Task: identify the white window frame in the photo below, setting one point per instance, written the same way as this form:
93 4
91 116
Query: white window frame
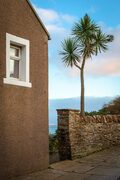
24 70
16 47
16 58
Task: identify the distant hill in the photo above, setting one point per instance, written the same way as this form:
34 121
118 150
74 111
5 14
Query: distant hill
91 104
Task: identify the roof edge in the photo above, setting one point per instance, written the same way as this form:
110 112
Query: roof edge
40 21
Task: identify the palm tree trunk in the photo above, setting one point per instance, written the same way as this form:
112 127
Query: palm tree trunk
82 92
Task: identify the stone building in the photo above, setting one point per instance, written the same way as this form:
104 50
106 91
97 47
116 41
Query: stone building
23 89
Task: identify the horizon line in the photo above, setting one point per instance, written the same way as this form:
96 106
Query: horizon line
85 96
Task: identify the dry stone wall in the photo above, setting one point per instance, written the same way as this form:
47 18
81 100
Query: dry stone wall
80 136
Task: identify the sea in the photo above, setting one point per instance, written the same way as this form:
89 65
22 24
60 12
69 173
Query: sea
52 129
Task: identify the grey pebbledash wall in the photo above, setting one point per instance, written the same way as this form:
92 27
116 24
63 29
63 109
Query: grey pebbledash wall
80 136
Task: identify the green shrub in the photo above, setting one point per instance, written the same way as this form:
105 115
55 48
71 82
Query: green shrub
53 143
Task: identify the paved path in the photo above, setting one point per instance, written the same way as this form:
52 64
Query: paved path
104 165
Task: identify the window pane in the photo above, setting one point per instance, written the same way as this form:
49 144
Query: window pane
14 68
14 52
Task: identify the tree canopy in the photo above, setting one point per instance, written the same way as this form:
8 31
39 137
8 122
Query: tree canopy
112 108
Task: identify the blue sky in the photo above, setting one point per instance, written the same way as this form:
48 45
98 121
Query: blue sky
102 73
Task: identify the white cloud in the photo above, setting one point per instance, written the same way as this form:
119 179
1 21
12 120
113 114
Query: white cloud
52 28
47 15
107 66
55 22
68 18
107 63
58 25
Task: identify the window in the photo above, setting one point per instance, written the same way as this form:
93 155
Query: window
17 61
15 57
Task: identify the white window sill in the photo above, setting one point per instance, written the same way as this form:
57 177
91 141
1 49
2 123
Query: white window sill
17 82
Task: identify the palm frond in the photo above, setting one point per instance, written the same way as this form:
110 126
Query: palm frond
84 29
69 53
101 41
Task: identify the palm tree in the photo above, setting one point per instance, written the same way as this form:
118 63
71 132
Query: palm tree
87 40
